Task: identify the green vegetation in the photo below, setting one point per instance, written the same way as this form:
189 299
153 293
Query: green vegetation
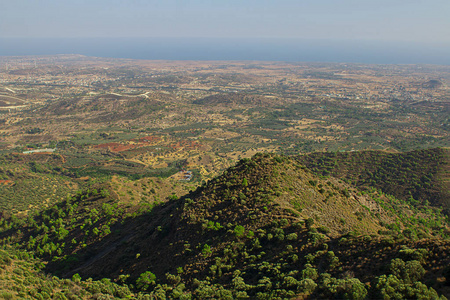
22 277
164 183
272 238
417 177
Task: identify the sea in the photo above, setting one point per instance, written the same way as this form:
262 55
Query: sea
235 49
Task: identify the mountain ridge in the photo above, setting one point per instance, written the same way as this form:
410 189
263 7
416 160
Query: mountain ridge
265 216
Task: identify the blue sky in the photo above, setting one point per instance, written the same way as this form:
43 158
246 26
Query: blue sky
426 21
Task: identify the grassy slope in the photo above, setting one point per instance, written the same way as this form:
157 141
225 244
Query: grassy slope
415 176
32 182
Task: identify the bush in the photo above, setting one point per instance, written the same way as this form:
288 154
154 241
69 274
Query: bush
309 222
413 254
292 237
145 280
244 182
307 286
350 288
76 277
309 273
239 231
409 272
390 287
313 182
206 251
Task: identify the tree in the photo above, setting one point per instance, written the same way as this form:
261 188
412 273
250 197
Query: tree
239 231
409 272
206 251
145 280
245 182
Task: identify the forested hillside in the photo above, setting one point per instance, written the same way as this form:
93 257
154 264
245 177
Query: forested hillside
419 177
267 228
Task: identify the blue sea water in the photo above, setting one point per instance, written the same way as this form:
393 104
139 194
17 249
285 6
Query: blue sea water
292 50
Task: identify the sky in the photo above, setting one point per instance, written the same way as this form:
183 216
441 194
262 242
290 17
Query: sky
377 31
423 21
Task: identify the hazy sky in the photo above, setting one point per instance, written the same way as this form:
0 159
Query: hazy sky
388 20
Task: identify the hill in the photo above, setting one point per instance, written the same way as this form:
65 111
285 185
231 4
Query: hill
105 107
266 228
432 84
419 177
234 99
32 182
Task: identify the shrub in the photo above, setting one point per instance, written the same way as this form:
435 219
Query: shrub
351 289
239 231
76 277
390 287
409 272
292 237
310 272
309 222
206 251
145 280
413 254
307 286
